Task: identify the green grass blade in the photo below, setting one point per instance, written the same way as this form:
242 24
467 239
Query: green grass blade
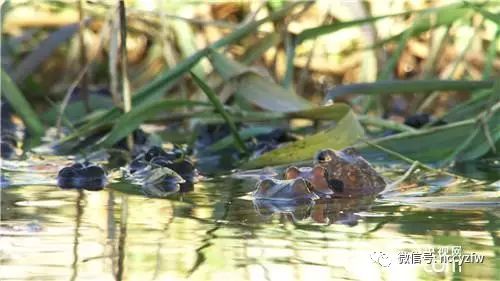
220 108
257 89
333 112
290 56
491 53
494 17
470 108
256 51
434 144
17 100
314 32
43 51
389 66
133 119
408 86
434 18
153 89
167 79
384 123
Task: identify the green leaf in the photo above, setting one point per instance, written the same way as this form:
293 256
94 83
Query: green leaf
17 100
437 143
185 39
133 119
220 108
227 68
257 89
408 86
269 95
469 108
384 123
345 133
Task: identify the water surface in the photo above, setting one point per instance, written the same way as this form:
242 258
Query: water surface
216 232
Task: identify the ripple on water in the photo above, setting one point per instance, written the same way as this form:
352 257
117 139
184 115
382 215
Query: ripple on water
216 232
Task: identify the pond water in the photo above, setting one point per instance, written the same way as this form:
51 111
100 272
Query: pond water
216 232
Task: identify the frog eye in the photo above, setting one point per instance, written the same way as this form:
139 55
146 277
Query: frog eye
324 155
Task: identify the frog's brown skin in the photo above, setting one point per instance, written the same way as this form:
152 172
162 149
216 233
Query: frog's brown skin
348 173
336 173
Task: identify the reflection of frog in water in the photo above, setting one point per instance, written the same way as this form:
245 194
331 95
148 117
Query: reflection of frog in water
324 211
336 174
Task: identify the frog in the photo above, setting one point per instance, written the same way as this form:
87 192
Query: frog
86 175
343 173
348 173
161 172
292 189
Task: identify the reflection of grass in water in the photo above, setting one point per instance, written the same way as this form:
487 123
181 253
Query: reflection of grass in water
78 220
209 235
471 229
